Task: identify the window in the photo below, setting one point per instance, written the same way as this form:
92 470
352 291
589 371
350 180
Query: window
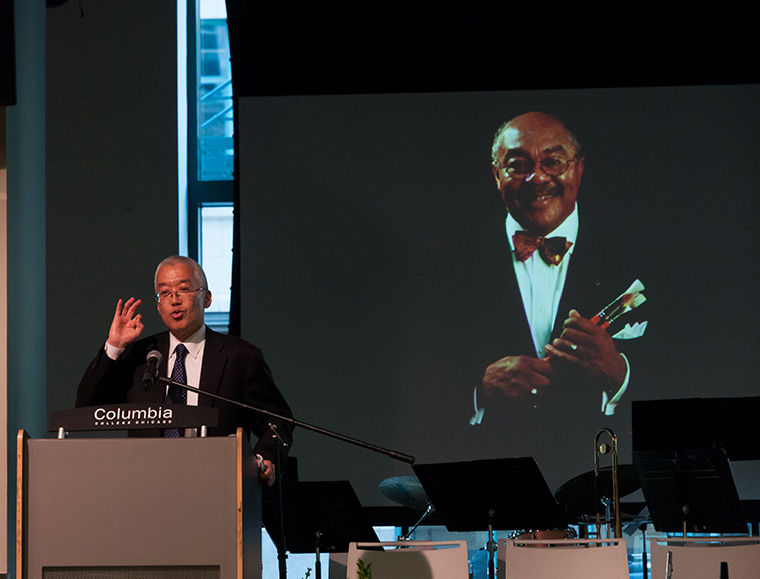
214 127
206 214
215 241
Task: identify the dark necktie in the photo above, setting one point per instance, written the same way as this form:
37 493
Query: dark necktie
551 249
177 395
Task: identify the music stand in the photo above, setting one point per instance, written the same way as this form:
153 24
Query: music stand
329 507
490 494
319 516
505 493
690 490
701 423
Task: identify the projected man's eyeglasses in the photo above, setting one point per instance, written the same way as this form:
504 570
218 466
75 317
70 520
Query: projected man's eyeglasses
523 167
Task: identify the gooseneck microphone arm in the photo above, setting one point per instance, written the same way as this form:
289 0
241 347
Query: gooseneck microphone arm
342 437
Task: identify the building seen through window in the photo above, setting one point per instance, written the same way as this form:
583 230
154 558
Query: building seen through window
210 152
215 126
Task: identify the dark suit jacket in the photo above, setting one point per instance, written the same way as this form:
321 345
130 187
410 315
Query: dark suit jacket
597 274
557 426
231 368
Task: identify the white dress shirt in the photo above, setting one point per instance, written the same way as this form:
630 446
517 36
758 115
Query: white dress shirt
541 284
541 287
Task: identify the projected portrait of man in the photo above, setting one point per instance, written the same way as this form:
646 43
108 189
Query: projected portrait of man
554 348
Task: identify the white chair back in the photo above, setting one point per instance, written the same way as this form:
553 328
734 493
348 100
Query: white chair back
337 566
562 559
407 559
698 557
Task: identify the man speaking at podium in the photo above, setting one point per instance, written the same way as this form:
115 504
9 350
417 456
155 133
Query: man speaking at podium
193 354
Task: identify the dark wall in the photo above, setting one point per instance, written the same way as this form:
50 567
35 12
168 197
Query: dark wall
111 210
321 47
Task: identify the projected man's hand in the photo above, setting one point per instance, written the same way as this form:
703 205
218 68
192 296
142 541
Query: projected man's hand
516 376
589 348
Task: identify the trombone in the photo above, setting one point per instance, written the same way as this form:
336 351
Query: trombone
604 448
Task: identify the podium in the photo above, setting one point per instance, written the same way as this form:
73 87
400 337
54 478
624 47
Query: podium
186 508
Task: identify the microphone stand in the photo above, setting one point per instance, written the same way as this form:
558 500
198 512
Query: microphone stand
294 422
391 453
282 555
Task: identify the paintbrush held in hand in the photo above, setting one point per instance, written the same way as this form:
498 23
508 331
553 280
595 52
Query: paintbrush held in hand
628 300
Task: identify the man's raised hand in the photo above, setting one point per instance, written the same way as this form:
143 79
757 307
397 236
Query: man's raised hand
127 324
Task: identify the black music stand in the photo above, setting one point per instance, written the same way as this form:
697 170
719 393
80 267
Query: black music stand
728 423
319 516
505 493
690 490
485 495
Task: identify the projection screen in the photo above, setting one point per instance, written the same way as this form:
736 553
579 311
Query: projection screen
375 265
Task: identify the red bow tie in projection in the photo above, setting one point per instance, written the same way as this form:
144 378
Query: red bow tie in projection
551 249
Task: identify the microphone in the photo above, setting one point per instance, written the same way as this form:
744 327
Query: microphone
151 370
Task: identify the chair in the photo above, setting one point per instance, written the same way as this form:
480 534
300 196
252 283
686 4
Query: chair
337 566
405 559
562 559
697 557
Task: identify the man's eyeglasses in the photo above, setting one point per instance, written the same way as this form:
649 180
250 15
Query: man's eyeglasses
180 292
522 167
